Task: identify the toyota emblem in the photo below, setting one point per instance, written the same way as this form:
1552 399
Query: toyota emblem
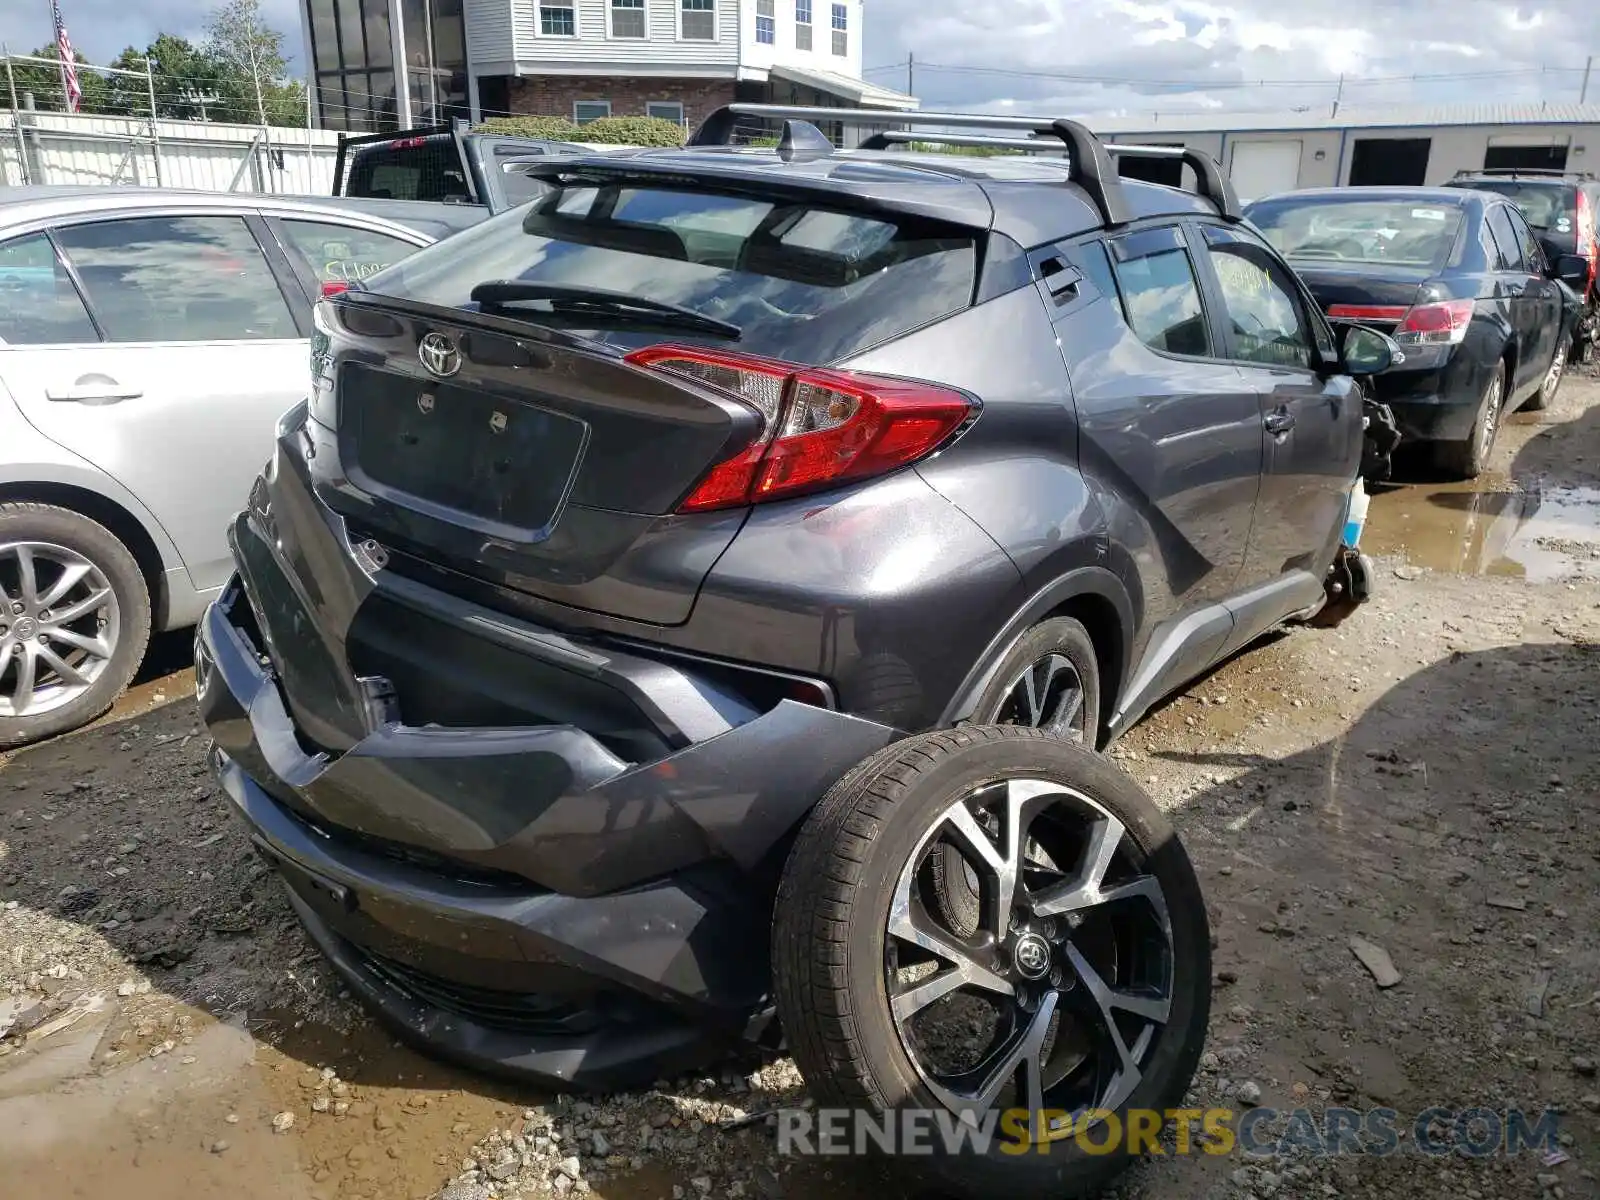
1031 955
439 355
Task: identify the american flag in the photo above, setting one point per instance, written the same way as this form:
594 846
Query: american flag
69 61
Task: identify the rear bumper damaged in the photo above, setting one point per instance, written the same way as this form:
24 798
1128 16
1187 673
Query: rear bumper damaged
531 898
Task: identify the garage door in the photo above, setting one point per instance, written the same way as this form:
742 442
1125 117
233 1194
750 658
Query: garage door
1261 168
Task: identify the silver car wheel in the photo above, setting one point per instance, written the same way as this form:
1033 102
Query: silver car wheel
1492 402
1070 969
59 625
1558 364
1047 696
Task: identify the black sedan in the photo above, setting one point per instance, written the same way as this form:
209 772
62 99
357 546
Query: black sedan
1460 282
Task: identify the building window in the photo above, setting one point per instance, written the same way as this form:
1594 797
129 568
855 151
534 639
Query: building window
584 111
802 24
557 18
627 18
665 110
841 30
767 22
699 20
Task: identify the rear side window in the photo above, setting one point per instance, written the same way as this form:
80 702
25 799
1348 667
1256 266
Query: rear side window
1160 293
330 253
177 279
1506 239
38 304
1532 255
804 282
408 169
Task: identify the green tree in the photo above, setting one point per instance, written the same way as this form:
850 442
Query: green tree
188 80
252 53
45 84
239 74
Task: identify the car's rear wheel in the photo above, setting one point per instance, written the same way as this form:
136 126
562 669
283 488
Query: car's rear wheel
1468 458
74 620
1546 394
1049 681
1083 991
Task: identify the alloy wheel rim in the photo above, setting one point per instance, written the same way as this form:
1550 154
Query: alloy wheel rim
1075 964
58 627
1491 416
1046 695
1557 365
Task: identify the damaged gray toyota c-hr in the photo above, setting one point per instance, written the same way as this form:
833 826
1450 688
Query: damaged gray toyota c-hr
696 597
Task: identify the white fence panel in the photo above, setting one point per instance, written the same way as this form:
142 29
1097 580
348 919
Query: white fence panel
58 148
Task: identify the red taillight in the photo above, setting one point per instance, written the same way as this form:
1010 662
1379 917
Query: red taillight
334 287
820 428
1367 312
1588 245
1443 322
410 143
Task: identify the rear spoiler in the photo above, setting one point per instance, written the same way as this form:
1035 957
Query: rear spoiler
455 130
1089 160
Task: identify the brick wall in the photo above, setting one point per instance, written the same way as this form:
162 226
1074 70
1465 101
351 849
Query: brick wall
553 95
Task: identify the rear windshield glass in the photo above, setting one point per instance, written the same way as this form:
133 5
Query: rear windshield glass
1409 233
802 281
419 169
1545 206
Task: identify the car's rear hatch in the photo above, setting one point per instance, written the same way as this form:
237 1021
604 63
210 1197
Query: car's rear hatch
515 442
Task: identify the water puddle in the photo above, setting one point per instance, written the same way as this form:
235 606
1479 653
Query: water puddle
1488 527
269 1107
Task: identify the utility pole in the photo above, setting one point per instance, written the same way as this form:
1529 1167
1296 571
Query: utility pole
1337 96
911 73
155 134
1588 65
16 116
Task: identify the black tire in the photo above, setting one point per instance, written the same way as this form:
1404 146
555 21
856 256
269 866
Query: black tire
1545 396
1062 636
28 522
831 944
1059 635
1467 459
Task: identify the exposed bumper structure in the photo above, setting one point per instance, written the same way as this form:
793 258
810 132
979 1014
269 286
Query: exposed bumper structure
1438 404
538 898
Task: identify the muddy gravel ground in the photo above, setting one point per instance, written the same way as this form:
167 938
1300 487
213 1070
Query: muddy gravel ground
1426 778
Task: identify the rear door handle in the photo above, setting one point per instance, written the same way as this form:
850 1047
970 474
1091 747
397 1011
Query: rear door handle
1279 422
1060 275
94 390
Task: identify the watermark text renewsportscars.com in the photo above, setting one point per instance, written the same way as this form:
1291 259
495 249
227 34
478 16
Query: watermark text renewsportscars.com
1256 1132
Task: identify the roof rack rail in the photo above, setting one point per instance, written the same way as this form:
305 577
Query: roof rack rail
907 137
1089 159
1556 172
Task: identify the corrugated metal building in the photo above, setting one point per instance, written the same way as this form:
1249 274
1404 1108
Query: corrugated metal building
1424 144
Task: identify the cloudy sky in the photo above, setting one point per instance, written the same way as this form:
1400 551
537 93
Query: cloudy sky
1107 56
